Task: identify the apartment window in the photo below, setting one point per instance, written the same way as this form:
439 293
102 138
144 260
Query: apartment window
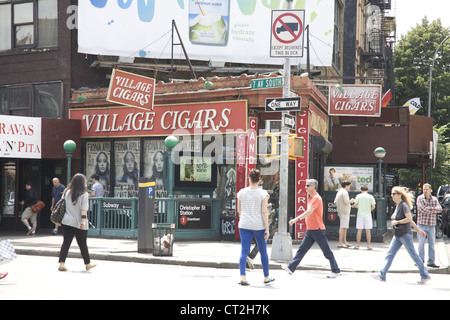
32 100
25 24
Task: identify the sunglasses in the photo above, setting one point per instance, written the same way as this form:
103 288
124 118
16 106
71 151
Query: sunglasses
393 193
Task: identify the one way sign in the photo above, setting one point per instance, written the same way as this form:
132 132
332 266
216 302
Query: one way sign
283 104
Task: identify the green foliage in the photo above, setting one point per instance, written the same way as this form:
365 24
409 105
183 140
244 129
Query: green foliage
412 59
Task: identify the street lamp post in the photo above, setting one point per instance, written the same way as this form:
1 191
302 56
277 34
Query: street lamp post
69 147
431 74
379 153
381 201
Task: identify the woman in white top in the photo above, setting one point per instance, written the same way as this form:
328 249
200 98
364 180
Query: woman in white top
75 223
253 222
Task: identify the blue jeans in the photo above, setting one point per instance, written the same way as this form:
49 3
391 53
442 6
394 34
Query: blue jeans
396 243
310 238
431 237
246 242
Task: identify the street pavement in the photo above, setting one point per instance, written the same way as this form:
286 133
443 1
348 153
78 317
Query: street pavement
221 254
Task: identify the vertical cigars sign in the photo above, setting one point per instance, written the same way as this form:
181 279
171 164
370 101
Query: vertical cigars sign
20 137
301 174
355 100
131 90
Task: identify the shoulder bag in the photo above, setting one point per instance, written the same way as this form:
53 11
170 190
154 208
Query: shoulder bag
58 211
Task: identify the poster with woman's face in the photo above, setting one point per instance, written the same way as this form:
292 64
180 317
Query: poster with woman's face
127 159
98 161
154 164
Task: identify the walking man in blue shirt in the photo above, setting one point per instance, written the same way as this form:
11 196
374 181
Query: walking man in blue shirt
57 192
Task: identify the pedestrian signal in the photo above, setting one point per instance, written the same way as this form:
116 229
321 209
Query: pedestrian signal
269 146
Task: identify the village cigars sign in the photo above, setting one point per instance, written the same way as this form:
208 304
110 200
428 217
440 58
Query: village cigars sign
131 90
189 118
356 100
20 137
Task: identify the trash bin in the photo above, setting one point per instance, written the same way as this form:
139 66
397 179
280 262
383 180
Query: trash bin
163 234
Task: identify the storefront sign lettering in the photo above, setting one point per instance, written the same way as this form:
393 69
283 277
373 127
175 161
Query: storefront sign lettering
131 89
20 137
163 120
356 100
301 174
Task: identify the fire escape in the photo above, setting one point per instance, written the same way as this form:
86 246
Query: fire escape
379 40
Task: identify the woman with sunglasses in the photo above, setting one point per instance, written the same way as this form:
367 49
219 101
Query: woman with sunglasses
401 222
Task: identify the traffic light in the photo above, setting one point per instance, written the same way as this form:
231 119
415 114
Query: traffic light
269 146
296 147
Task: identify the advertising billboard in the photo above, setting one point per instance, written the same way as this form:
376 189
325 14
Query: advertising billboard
221 30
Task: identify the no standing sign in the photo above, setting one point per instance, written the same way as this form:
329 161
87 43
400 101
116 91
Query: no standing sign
287 33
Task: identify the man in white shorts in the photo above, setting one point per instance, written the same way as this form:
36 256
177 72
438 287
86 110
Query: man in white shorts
365 203
343 206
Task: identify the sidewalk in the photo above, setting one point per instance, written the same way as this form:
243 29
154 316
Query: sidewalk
221 254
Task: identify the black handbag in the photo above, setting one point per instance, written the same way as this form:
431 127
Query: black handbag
58 211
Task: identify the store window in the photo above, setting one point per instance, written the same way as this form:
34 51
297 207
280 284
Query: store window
48 99
28 24
32 100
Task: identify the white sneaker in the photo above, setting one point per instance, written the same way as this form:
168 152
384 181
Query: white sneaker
377 277
250 264
285 268
423 281
333 275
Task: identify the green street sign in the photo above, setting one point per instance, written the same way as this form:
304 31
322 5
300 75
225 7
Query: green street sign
267 83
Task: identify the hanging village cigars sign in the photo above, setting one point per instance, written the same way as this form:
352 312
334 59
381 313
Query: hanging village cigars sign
190 118
131 89
355 100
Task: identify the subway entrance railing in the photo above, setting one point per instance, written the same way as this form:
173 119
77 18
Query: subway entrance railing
194 218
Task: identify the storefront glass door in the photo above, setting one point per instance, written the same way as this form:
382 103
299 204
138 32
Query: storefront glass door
8 188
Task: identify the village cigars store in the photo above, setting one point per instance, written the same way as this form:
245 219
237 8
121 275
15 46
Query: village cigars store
31 149
122 143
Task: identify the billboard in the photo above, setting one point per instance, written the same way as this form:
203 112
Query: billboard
357 175
221 30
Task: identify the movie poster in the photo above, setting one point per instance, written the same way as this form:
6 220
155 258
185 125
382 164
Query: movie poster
98 160
127 159
154 164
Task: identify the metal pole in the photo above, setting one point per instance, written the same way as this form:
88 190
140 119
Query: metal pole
69 166
380 191
282 242
431 75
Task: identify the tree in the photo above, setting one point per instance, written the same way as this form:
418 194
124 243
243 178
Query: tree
412 59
